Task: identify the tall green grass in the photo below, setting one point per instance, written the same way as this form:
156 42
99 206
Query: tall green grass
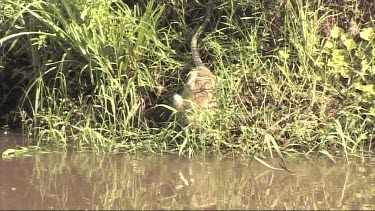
104 73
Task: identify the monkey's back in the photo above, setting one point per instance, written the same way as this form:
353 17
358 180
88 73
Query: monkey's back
200 88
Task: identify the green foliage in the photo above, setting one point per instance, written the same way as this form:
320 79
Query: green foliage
354 60
101 75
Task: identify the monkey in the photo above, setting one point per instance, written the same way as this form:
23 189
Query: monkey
200 85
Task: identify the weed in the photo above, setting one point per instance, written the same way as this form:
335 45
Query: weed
101 75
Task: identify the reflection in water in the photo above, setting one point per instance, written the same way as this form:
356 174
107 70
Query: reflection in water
86 181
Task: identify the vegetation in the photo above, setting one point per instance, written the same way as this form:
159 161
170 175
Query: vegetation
296 77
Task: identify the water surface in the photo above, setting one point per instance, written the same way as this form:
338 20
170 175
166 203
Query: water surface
87 181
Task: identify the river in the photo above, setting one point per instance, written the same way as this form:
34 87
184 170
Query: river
81 180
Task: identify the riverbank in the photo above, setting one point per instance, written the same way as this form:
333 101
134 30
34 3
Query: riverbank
294 77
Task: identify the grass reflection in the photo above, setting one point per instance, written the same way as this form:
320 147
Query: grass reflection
87 181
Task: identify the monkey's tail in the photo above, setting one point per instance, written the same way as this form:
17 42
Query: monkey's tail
194 41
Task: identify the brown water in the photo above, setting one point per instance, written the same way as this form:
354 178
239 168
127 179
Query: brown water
87 181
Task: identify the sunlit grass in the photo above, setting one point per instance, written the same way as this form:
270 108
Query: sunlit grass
103 74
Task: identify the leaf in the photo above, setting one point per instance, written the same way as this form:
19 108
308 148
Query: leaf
367 33
345 36
350 44
370 89
325 152
8 153
339 56
266 164
84 13
336 32
329 45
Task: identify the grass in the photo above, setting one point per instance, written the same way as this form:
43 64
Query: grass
100 75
